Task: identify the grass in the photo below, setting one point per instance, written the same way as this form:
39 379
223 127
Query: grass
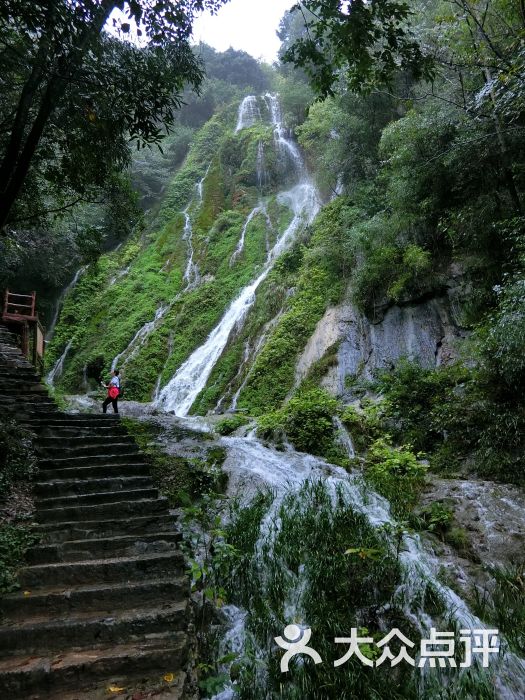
181 479
306 539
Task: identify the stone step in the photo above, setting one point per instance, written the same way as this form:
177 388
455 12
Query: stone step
27 372
72 487
130 456
24 402
61 502
49 677
99 471
76 440
73 419
84 629
106 597
107 432
14 385
51 533
26 409
136 568
121 546
38 421
63 449
98 511
108 448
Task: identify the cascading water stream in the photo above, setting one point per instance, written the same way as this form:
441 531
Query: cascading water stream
182 390
251 465
240 244
58 306
344 438
119 275
139 338
156 392
252 356
191 273
249 113
283 142
58 367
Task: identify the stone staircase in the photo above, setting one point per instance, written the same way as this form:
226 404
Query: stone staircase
104 600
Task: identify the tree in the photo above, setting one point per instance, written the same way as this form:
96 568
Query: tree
68 87
363 43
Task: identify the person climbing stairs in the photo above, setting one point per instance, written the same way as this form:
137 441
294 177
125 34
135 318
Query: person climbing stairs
104 600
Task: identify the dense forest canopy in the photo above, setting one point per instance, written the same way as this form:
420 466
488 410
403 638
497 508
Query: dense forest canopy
74 97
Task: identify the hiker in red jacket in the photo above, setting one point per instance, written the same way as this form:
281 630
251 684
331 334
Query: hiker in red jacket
113 392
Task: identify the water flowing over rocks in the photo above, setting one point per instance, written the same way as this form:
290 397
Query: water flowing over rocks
181 391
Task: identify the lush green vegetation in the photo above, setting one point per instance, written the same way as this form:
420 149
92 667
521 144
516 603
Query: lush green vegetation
505 605
106 309
461 418
182 480
319 283
309 537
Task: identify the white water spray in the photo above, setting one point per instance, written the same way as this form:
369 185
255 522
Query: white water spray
249 113
182 390
58 367
60 301
139 338
251 465
240 244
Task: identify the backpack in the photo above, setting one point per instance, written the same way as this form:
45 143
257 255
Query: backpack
113 392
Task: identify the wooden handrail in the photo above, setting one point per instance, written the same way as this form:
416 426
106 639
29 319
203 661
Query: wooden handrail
10 302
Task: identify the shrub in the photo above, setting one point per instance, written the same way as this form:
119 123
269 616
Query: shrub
14 542
226 426
307 421
396 474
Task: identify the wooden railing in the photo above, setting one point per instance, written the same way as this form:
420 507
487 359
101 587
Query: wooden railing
19 313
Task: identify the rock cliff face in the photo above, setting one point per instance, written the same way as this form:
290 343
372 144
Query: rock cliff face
426 331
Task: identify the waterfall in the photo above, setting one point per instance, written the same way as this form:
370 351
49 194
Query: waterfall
284 144
251 356
139 338
181 391
200 184
260 164
58 367
240 244
344 437
156 392
191 273
118 275
251 465
249 113
60 301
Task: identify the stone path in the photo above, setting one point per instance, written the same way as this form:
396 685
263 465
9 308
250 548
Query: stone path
104 599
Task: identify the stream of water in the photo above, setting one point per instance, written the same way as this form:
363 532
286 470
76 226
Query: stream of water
181 391
60 301
58 367
251 465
